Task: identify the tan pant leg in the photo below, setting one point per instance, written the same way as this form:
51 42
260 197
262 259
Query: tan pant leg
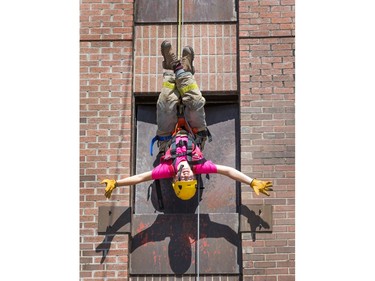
193 100
166 107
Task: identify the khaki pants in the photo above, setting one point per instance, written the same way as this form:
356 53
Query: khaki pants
185 87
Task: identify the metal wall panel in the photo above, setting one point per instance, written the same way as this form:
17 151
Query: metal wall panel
114 220
220 192
165 241
159 11
167 244
209 11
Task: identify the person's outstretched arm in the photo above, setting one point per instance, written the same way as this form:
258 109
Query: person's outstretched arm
146 176
257 185
112 184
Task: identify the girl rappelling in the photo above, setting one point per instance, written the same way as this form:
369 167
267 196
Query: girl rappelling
182 132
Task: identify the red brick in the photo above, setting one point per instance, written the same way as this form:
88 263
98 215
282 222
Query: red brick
286 278
265 278
263 87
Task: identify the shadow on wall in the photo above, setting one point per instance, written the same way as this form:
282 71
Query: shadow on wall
181 231
110 233
175 225
255 221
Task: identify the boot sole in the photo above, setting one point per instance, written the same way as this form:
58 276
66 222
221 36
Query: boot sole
165 44
191 51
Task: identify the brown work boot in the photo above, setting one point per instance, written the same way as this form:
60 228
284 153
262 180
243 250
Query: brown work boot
170 59
187 59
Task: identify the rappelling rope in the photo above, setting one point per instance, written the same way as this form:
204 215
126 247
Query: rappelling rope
180 23
198 227
179 35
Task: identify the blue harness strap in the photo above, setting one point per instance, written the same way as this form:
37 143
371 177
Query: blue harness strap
158 138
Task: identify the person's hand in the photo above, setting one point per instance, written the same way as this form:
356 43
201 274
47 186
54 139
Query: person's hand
261 186
110 186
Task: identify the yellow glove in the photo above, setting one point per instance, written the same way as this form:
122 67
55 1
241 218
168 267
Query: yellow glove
110 186
261 186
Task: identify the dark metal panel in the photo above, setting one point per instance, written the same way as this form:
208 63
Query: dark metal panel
256 218
167 244
164 241
209 11
114 220
219 194
159 11
156 11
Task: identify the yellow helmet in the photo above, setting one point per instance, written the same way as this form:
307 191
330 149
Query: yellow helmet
185 189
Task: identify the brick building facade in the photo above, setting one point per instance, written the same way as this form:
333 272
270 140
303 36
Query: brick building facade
119 61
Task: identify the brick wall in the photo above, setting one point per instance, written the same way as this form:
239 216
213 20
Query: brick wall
106 20
215 49
266 46
106 66
266 63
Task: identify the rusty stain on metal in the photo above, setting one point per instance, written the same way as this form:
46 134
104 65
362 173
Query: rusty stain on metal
168 245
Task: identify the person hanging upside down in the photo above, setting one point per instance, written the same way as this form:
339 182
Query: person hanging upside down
182 132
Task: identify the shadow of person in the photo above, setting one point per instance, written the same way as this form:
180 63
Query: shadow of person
181 229
177 222
111 231
255 221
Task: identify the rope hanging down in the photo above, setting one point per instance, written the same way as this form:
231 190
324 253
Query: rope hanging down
198 226
179 35
179 29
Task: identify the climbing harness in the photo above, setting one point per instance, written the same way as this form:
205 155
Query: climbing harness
198 137
198 182
158 138
195 140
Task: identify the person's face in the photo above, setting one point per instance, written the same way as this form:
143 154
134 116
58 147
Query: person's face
186 174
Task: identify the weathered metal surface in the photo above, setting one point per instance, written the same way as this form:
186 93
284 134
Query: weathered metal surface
256 218
220 193
167 244
209 11
157 11
165 241
186 277
114 220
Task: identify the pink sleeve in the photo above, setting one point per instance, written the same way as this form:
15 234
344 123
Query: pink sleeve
163 171
206 168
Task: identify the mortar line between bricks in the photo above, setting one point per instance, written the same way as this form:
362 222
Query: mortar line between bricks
265 37
106 40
